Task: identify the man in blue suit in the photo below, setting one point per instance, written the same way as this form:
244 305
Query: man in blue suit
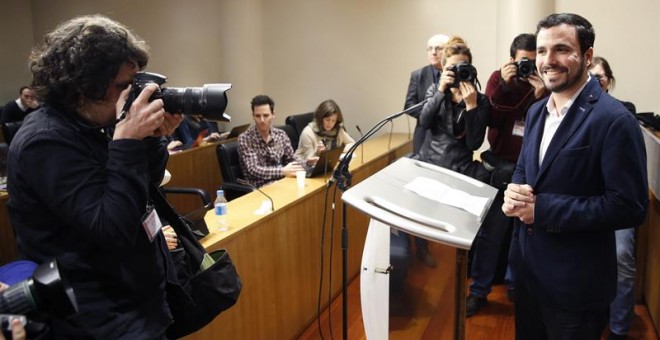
580 176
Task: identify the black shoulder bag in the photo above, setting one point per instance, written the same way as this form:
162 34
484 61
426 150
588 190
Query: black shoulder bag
199 285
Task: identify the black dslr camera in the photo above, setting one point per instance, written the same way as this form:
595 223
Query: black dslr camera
464 71
46 291
525 67
210 100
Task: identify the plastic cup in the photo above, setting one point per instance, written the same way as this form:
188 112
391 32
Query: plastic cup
300 178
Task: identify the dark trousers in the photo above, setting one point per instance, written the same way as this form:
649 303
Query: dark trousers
488 247
400 260
534 321
422 246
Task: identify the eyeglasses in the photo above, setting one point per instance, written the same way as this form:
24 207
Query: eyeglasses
436 49
600 77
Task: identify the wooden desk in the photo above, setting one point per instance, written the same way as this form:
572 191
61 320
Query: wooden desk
278 255
650 232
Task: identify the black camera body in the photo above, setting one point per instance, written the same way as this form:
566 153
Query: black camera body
525 67
210 100
463 71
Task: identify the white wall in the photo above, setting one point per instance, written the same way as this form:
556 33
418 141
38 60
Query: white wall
15 45
359 53
627 36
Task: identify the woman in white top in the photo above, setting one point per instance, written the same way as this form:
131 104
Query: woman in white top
326 131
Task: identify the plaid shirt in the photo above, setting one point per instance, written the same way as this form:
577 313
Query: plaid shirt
262 162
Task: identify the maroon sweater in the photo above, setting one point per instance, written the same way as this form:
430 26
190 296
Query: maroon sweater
509 103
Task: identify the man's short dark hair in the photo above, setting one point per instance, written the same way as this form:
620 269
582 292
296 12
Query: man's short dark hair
525 42
81 57
20 92
585 31
262 99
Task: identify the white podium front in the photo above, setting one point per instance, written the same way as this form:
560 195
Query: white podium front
393 197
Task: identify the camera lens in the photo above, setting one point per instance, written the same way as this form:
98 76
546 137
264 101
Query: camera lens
210 100
525 70
464 71
526 67
46 291
464 74
18 299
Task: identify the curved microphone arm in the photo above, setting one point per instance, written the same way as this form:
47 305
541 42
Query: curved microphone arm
254 187
341 174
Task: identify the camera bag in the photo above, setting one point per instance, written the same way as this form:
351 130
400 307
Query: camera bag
199 285
502 169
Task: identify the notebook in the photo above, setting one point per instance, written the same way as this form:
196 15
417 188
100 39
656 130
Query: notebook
327 162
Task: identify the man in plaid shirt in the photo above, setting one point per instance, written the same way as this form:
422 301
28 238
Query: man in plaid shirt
265 152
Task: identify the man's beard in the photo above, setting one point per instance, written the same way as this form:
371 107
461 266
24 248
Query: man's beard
570 80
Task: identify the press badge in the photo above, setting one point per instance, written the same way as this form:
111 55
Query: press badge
151 223
518 128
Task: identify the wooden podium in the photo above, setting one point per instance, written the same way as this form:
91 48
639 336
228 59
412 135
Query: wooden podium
423 200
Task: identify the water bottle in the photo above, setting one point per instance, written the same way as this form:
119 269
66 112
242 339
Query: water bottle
221 211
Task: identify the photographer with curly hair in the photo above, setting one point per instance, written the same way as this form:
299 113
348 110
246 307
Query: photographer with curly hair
79 180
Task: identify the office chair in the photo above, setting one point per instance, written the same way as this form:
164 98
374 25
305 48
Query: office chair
195 217
231 170
9 130
298 122
203 195
291 133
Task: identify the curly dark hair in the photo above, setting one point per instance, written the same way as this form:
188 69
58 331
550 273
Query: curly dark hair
81 57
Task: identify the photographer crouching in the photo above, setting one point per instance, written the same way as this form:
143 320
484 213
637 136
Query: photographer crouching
79 180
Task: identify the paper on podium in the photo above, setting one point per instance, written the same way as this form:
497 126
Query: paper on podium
393 197
442 193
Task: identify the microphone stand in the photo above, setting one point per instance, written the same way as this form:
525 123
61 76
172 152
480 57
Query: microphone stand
246 182
361 147
343 179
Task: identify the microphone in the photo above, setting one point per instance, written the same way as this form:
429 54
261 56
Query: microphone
389 141
362 147
245 182
341 175
409 130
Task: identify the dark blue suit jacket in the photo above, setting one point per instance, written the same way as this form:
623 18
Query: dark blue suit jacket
592 181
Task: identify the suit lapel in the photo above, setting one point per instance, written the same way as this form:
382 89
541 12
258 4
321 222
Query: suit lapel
569 125
427 80
533 172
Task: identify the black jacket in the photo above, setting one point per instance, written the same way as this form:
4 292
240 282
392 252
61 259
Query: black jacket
80 198
454 133
11 112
